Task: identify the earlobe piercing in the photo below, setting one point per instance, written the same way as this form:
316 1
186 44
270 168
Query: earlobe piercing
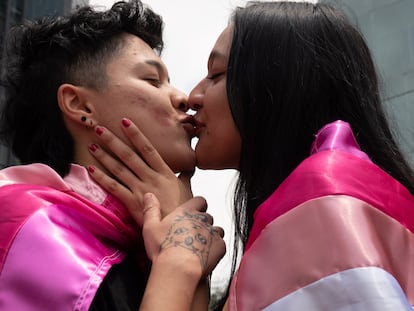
83 119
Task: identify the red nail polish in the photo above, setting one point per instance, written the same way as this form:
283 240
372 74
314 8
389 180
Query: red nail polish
126 122
91 169
93 147
99 130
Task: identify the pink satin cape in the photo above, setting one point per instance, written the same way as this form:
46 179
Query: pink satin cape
58 238
337 234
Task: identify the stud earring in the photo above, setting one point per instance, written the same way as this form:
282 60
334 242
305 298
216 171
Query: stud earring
89 123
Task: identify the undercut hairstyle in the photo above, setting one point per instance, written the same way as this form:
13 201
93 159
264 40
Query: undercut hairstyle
51 51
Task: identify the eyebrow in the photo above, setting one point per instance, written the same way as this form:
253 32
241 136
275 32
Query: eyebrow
154 63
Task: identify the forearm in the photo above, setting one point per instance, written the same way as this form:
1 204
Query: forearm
169 288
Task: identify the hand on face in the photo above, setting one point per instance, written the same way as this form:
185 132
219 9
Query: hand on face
186 237
135 174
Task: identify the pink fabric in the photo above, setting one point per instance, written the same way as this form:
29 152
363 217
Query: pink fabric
337 136
56 246
336 211
331 172
319 238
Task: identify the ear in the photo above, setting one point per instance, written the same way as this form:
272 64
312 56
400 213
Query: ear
74 102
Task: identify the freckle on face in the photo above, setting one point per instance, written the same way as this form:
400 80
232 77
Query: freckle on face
140 100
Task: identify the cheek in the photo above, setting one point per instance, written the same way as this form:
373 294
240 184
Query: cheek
148 109
219 148
158 110
162 115
157 124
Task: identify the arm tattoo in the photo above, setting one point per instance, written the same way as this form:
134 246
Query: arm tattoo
193 232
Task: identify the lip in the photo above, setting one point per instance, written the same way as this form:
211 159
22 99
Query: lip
198 126
189 126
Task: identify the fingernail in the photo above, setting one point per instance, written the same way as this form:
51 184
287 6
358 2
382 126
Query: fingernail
99 130
126 122
93 147
91 169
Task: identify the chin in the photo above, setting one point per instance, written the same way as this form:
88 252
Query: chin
206 166
210 164
183 164
204 161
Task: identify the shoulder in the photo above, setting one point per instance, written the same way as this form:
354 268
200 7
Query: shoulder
35 174
328 173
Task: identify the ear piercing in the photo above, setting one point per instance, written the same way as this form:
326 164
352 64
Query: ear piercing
83 119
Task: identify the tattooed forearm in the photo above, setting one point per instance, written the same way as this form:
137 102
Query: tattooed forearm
193 232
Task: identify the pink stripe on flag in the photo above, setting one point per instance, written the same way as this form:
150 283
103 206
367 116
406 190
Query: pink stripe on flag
319 238
339 173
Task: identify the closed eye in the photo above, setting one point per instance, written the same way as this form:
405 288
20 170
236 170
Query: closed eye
215 76
154 82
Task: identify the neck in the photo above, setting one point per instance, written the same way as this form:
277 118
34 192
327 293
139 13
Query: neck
84 157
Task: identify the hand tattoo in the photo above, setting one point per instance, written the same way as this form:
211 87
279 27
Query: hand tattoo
193 232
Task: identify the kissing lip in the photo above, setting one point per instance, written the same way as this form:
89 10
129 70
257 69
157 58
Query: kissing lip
188 124
198 127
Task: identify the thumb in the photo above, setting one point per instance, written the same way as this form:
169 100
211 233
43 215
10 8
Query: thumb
152 210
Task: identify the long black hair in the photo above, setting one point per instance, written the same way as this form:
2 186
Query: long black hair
44 54
293 68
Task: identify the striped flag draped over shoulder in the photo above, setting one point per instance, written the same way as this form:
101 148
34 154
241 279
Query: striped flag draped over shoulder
337 234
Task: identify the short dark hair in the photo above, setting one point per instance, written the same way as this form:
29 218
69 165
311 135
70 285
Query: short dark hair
293 68
46 53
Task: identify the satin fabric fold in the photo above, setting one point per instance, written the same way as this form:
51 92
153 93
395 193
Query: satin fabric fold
337 214
56 246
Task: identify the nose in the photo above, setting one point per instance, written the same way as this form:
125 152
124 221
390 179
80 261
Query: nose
180 100
195 99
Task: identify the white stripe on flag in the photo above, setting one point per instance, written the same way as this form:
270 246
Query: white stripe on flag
359 289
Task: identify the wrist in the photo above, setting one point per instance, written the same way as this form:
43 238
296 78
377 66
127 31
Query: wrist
186 266
172 283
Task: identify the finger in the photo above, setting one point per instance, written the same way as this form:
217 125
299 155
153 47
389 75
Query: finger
109 184
195 204
151 217
216 252
151 210
122 151
204 217
219 231
144 146
115 167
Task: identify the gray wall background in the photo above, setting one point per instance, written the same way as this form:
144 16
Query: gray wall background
388 26
13 12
